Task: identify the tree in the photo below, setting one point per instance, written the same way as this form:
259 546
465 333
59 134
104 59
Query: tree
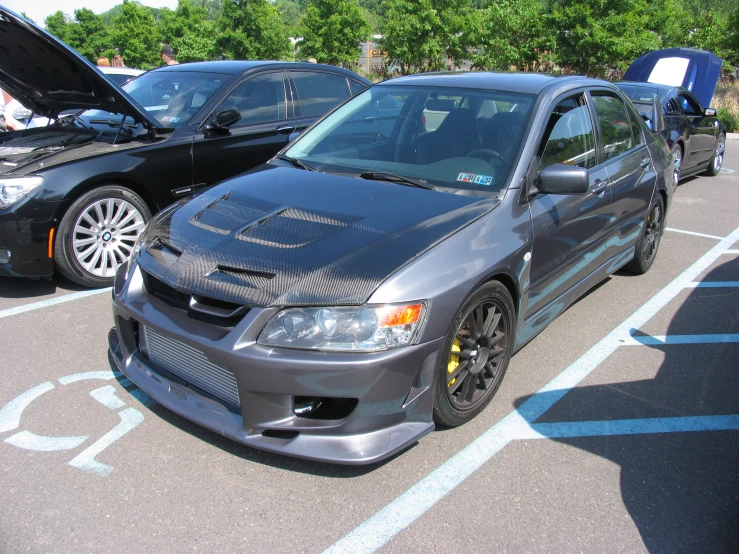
188 31
332 32
290 12
495 24
426 35
89 36
134 36
58 25
251 29
595 36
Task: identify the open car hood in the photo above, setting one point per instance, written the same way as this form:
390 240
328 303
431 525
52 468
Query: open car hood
696 70
48 77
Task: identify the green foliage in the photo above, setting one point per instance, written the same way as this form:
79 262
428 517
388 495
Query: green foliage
88 35
58 25
197 45
134 36
251 29
426 35
598 35
495 24
290 12
332 31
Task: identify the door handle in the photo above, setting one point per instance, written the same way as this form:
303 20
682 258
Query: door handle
645 162
599 187
285 129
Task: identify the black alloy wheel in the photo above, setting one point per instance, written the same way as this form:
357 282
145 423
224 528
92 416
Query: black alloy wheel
648 243
477 355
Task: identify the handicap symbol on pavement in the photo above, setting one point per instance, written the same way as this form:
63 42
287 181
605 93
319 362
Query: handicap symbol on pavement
10 417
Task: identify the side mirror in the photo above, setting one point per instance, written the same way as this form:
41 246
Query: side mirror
292 136
563 179
226 118
710 112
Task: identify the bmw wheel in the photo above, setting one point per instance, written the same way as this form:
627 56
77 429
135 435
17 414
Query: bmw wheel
97 234
718 157
476 355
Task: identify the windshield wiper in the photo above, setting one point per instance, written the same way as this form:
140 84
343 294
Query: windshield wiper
297 163
393 178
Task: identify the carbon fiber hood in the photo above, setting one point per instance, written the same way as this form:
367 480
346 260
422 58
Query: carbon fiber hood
287 237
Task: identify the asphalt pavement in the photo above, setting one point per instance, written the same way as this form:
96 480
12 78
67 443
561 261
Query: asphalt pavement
615 430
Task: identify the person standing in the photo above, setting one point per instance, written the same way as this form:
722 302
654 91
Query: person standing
103 62
168 55
117 61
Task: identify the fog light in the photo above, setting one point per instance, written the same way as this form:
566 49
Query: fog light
5 256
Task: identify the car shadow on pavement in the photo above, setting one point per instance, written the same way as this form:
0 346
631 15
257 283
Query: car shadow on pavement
680 488
21 287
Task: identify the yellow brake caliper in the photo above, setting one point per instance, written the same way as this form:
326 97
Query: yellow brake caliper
453 361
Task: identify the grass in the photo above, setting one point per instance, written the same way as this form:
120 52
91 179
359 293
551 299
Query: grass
726 102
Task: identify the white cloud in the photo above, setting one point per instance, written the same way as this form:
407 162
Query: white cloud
39 10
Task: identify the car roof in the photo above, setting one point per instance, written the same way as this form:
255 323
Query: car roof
530 83
663 91
234 67
122 70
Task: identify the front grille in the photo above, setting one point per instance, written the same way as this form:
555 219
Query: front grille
190 364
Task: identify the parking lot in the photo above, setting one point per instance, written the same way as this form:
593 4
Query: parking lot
615 430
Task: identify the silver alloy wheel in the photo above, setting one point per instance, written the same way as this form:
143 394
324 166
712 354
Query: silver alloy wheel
104 235
678 160
718 159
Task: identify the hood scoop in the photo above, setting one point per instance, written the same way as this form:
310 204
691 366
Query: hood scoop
228 213
164 252
240 277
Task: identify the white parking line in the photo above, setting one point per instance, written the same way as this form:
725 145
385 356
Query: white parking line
693 233
51 302
413 503
713 284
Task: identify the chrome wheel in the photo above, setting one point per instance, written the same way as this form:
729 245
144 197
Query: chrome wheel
677 156
104 235
718 159
476 356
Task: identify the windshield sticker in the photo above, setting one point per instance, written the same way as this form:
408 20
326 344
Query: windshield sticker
466 177
483 180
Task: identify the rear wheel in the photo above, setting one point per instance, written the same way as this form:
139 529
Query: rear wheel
97 234
677 161
648 243
476 355
718 157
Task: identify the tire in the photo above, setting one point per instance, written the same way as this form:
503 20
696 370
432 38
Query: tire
718 157
648 243
480 343
677 156
89 253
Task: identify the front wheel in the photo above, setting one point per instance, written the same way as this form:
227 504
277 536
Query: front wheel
648 243
718 157
677 161
476 355
97 234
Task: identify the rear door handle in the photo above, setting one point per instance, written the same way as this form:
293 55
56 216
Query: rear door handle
285 129
645 162
599 187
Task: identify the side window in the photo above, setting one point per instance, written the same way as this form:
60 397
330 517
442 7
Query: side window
260 99
568 138
688 105
319 92
636 128
356 87
672 107
614 124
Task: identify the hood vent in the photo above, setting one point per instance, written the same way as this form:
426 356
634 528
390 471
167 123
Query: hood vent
164 252
229 213
240 277
294 228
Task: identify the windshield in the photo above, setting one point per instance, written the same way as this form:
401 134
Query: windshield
643 95
446 137
172 97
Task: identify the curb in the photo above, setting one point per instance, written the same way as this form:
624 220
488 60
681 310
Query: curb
732 136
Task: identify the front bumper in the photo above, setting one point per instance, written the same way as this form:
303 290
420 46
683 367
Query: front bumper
24 238
393 389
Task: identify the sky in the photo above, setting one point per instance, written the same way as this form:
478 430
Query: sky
38 10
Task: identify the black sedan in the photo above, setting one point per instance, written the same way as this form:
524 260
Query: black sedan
374 278
75 195
694 134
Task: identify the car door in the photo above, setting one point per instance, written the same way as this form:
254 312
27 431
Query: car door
680 126
631 177
261 132
704 128
569 229
317 92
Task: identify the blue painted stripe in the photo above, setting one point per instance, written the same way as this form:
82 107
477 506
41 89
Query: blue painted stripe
409 506
682 339
51 302
573 429
693 233
713 284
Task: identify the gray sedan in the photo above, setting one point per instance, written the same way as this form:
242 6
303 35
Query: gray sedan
374 278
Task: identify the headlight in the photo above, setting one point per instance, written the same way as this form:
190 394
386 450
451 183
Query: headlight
13 189
22 113
356 329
